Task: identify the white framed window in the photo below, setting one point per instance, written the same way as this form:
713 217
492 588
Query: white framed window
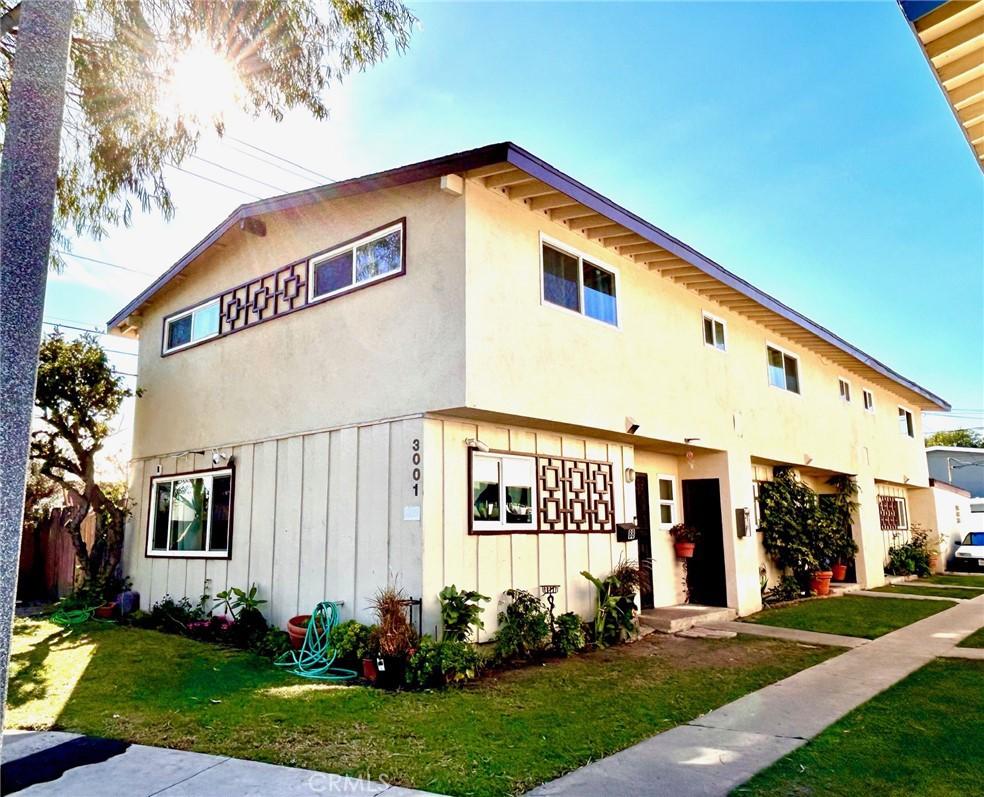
578 283
715 332
373 257
503 492
905 422
191 515
191 326
869 401
893 513
666 500
783 369
845 390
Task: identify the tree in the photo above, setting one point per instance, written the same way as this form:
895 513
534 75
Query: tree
78 394
962 438
117 135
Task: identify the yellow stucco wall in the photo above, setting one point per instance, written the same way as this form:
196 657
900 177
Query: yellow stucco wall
529 358
385 351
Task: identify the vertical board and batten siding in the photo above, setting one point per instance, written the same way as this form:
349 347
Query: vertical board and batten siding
317 516
493 563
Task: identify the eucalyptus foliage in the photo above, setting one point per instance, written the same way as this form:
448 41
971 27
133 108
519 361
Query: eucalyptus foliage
117 137
77 396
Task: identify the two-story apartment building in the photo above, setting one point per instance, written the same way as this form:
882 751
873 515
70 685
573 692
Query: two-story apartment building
470 370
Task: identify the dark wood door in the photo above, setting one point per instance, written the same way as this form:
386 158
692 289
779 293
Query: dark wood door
644 539
705 571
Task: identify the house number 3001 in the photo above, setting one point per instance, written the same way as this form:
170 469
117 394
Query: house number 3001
415 466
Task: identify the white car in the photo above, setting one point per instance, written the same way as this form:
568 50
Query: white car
970 553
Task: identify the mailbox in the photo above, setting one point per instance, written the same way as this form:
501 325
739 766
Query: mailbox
741 522
625 532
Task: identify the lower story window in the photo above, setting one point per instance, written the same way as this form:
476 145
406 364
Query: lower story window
667 502
893 513
191 515
503 492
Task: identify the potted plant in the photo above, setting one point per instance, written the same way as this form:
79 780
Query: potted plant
820 582
395 635
934 553
106 611
297 630
684 539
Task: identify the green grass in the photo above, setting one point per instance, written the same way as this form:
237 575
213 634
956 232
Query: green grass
956 581
850 615
941 592
502 735
975 640
922 736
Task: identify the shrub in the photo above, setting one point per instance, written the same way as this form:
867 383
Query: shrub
683 533
274 643
172 616
910 558
796 532
788 589
523 628
614 616
568 635
460 612
438 663
350 640
396 636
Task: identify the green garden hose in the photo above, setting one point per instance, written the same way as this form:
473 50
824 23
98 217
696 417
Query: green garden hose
316 655
72 617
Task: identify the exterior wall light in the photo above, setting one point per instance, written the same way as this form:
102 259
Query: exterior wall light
631 425
629 475
474 442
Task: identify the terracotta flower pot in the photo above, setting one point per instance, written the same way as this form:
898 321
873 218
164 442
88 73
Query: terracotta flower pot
106 611
934 560
684 550
297 629
820 583
369 671
840 571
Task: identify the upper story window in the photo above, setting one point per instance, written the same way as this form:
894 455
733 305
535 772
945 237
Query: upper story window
191 515
191 326
869 401
905 422
783 369
714 332
578 284
845 390
375 256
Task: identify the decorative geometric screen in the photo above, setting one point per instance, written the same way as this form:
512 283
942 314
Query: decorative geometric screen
575 495
271 295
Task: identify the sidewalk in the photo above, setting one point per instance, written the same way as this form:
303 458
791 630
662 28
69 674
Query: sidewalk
53 763
721 750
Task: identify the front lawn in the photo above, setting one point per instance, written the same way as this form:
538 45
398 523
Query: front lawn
940 592
921 736
501 735
975 640
850 615
956 581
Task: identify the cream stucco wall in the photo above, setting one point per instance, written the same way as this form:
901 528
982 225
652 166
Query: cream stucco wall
529 358
385 351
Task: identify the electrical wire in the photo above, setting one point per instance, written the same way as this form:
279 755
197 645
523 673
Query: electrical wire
281 158
215 182
105 263
239 174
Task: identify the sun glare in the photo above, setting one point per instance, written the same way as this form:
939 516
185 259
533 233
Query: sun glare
201 84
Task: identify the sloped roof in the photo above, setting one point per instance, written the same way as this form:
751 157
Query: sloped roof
496 162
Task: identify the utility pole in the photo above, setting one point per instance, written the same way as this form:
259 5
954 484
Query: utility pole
28 170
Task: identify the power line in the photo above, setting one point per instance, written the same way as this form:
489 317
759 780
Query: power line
281 158
216 182
270 163
239 174
105 263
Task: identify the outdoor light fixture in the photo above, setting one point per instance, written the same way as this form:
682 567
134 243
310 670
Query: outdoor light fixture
629 475
218 457
474 442
689 440
631 425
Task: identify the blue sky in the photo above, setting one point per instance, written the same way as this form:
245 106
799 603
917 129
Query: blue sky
805 147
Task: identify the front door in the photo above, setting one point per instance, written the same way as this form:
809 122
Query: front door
705 571
645 541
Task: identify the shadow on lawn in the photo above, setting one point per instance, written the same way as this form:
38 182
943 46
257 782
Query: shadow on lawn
28 683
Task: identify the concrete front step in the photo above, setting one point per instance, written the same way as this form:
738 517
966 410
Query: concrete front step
671 619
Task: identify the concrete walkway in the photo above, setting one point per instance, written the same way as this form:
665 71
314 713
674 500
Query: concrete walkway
713 754
869 593
791 634
52 763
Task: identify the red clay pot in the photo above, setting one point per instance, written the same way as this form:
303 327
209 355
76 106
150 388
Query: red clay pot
820 583
684 550
840 571
934 560
106 611
369 671
297 629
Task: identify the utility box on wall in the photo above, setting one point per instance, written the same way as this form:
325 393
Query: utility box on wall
625 532
741 522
